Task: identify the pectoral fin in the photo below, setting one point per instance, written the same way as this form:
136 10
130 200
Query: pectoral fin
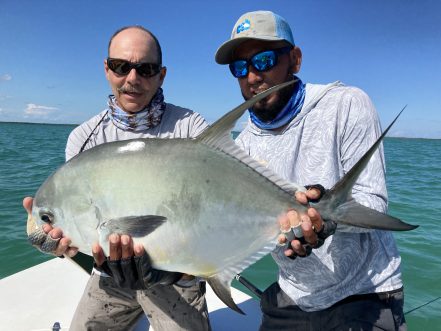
135 226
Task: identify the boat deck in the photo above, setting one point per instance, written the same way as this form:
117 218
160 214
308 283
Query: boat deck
38 297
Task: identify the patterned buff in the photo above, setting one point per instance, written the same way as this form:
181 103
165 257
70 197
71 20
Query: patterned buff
145 119
287 114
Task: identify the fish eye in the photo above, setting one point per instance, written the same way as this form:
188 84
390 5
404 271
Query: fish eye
47 217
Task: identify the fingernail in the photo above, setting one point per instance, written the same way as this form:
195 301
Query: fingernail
113 238
138 249
124 240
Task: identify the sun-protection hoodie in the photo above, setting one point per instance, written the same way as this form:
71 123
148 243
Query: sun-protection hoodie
335 127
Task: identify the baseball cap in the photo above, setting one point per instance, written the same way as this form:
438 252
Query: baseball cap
257 25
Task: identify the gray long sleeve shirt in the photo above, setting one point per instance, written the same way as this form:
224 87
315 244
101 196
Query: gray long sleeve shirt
335 127
176 122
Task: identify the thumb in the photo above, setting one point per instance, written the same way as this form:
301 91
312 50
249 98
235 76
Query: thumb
27 204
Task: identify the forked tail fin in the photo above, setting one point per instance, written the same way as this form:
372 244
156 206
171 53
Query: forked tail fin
338 205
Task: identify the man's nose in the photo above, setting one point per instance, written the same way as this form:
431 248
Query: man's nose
254 76
132 75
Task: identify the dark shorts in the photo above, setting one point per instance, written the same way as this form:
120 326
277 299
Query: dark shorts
376 311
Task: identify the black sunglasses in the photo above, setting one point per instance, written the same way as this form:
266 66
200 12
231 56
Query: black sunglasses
262 61
123 67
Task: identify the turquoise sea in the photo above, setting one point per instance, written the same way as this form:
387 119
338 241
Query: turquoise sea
30 152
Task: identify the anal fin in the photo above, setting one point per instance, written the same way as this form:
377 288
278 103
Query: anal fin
222 287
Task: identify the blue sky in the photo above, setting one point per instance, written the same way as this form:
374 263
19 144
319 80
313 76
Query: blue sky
52 53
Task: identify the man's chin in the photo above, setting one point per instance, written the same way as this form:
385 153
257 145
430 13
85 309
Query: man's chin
132 105
132 108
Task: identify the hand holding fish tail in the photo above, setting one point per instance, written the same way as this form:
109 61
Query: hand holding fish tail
303 232
129 265
46 238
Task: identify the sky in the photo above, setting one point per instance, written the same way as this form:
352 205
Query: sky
52 53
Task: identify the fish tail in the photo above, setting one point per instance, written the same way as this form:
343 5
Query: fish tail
355 214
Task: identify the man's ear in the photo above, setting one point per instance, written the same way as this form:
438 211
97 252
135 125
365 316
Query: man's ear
106 69
296 59
162 75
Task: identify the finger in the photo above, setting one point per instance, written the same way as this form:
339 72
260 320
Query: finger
281 239
55 233
301 197
27 204
71 251
98 254
63 246
293 217
298 248
139 249
52 246
47 228
316 219
126 247
289 253
313 194
114 247
284 223
308 233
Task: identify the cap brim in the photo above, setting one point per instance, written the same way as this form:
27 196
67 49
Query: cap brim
224 54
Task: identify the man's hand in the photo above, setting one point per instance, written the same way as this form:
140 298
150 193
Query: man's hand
119 248
50 239
130 265
310 223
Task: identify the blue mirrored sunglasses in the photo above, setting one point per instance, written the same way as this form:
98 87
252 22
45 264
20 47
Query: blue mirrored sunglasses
262 61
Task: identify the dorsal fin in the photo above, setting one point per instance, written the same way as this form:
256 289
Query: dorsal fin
216 135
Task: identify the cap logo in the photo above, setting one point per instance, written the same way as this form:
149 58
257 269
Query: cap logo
245 25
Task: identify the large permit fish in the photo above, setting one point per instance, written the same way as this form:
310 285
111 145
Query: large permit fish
199 206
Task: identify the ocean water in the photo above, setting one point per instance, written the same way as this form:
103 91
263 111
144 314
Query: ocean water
30 152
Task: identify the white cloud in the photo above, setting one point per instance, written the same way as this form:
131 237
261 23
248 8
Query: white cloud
5 77
36 110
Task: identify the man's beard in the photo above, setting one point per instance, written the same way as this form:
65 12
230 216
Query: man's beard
266 113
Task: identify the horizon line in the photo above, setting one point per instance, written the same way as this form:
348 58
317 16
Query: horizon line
73 124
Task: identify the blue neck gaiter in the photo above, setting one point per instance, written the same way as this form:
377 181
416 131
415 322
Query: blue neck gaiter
287 114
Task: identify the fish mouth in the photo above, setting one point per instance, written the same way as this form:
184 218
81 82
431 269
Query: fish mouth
31 225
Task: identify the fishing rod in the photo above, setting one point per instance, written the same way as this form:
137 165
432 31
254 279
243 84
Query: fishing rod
425 304
245 282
